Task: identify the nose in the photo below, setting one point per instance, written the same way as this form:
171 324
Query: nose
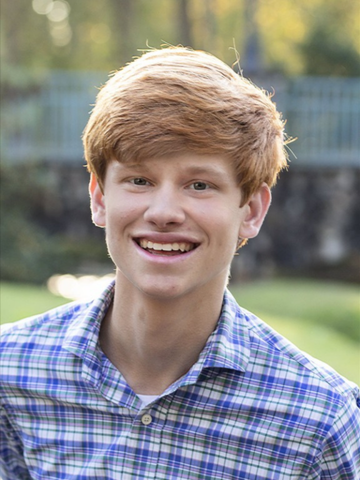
165 207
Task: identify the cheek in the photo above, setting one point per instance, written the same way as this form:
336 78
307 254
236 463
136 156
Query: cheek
221 224
121 215
230 230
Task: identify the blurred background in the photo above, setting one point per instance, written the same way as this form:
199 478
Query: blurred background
302 274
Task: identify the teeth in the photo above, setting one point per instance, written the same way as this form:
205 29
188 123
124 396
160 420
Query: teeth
167 247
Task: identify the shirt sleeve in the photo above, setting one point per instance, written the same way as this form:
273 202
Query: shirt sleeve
12 463
341 453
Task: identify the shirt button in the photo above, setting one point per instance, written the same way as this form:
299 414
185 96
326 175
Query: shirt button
146 419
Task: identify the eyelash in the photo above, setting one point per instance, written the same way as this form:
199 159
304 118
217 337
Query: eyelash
200 183
143 182
134 180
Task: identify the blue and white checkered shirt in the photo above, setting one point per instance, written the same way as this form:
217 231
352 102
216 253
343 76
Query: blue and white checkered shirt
253 407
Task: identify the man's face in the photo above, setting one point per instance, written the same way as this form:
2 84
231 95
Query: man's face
172 224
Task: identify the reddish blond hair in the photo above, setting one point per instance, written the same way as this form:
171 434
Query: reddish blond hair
175 100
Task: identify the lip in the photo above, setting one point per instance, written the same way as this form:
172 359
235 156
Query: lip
165 238
157 237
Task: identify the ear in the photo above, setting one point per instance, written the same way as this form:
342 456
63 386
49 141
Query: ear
255 211
97 202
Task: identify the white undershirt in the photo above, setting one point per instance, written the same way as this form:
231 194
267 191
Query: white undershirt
146 399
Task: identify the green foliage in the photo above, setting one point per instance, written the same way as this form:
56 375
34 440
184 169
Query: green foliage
308 36
325 52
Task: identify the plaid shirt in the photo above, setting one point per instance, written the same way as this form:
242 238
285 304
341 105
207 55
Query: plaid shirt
253 407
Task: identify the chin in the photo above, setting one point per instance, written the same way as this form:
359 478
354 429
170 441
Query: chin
163 293
163 289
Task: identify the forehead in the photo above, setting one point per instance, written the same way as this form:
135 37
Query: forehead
187 162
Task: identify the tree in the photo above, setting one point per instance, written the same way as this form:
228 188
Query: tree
307 36
122 29
184 23
326 51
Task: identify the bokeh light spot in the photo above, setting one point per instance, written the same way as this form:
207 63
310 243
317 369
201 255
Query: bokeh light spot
78 287
59 12
42 7
61 33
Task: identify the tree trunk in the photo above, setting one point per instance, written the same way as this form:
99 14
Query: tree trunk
185 36
252 62
210 19
123 20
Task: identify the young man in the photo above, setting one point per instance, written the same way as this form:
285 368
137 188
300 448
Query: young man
164 376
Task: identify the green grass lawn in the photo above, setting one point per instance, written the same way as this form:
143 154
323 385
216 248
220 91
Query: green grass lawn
18 301
321 318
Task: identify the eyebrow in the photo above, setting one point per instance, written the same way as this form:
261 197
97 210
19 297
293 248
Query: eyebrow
212 169
129 165
191 170
119 167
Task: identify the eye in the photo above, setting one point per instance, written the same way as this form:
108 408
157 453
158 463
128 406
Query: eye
139 181
200 186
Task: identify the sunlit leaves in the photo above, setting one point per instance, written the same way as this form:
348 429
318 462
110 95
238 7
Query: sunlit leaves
102 34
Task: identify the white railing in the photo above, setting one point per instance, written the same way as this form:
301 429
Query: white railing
46 124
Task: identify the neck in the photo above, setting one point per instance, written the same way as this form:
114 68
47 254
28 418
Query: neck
153 342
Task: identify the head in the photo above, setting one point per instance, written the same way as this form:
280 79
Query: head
177 100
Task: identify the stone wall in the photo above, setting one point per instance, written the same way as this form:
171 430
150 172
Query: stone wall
312 227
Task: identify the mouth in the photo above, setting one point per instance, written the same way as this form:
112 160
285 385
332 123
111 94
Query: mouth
174 248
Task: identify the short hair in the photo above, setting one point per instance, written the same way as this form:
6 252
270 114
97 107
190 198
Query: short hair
174 100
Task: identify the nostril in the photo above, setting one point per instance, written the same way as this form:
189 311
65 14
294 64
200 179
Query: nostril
164 213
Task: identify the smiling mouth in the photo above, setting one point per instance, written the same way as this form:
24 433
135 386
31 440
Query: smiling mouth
174 248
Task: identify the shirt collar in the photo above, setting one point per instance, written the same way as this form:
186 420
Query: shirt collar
229 344
82 337
227 347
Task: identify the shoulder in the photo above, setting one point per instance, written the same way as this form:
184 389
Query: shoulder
289 374
35 342
321 406
289 364
46 325
32 350
53 341
71 319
